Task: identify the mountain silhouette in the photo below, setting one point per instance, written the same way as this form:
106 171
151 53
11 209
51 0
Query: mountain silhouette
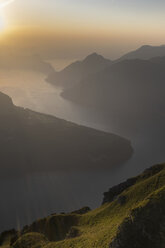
31 141
130 92
77 71
145 52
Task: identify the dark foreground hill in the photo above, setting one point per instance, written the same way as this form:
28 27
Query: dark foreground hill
31 141
132 216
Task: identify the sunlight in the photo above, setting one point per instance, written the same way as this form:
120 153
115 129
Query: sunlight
2 22
3 3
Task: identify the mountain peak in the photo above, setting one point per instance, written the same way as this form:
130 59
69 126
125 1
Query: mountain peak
144 47
94 56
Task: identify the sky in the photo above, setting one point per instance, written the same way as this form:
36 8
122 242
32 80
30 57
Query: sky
69 29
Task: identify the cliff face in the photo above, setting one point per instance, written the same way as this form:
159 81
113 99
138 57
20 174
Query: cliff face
134 218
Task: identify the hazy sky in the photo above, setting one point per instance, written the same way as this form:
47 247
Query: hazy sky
74 28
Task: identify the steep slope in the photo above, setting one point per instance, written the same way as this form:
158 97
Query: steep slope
134 218
32 141
79 70
145 52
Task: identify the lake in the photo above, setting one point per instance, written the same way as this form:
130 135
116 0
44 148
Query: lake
24 199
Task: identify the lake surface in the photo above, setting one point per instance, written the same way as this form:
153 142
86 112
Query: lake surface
24 199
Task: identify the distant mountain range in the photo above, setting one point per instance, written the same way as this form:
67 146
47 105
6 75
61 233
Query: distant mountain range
94 63
132 216
130 91
145 52
79 70
31 141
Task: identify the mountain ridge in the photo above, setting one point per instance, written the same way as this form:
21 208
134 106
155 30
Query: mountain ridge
144 52
37 142
75 72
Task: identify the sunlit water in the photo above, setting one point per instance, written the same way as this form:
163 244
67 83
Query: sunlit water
36 195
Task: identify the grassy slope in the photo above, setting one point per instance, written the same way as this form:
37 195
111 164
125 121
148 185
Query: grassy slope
99 227
35 240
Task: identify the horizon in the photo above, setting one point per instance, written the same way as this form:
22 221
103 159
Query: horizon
73 29
60 64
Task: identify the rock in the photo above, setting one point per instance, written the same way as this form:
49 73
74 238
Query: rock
117 190
121 199
145 227
73 232
83 210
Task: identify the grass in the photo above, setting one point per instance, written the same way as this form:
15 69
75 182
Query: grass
98 228
31 240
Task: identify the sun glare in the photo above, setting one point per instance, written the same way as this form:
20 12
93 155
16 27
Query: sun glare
3 4
1 24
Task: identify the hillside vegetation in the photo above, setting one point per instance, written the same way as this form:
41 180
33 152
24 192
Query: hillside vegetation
133 217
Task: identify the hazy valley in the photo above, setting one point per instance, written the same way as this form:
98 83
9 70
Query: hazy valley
115 97
82 112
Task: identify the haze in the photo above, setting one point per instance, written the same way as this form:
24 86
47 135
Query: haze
39 37
72 29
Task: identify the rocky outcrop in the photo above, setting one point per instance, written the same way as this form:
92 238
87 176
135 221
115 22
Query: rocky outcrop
83 210
145 227
73 232
115 191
